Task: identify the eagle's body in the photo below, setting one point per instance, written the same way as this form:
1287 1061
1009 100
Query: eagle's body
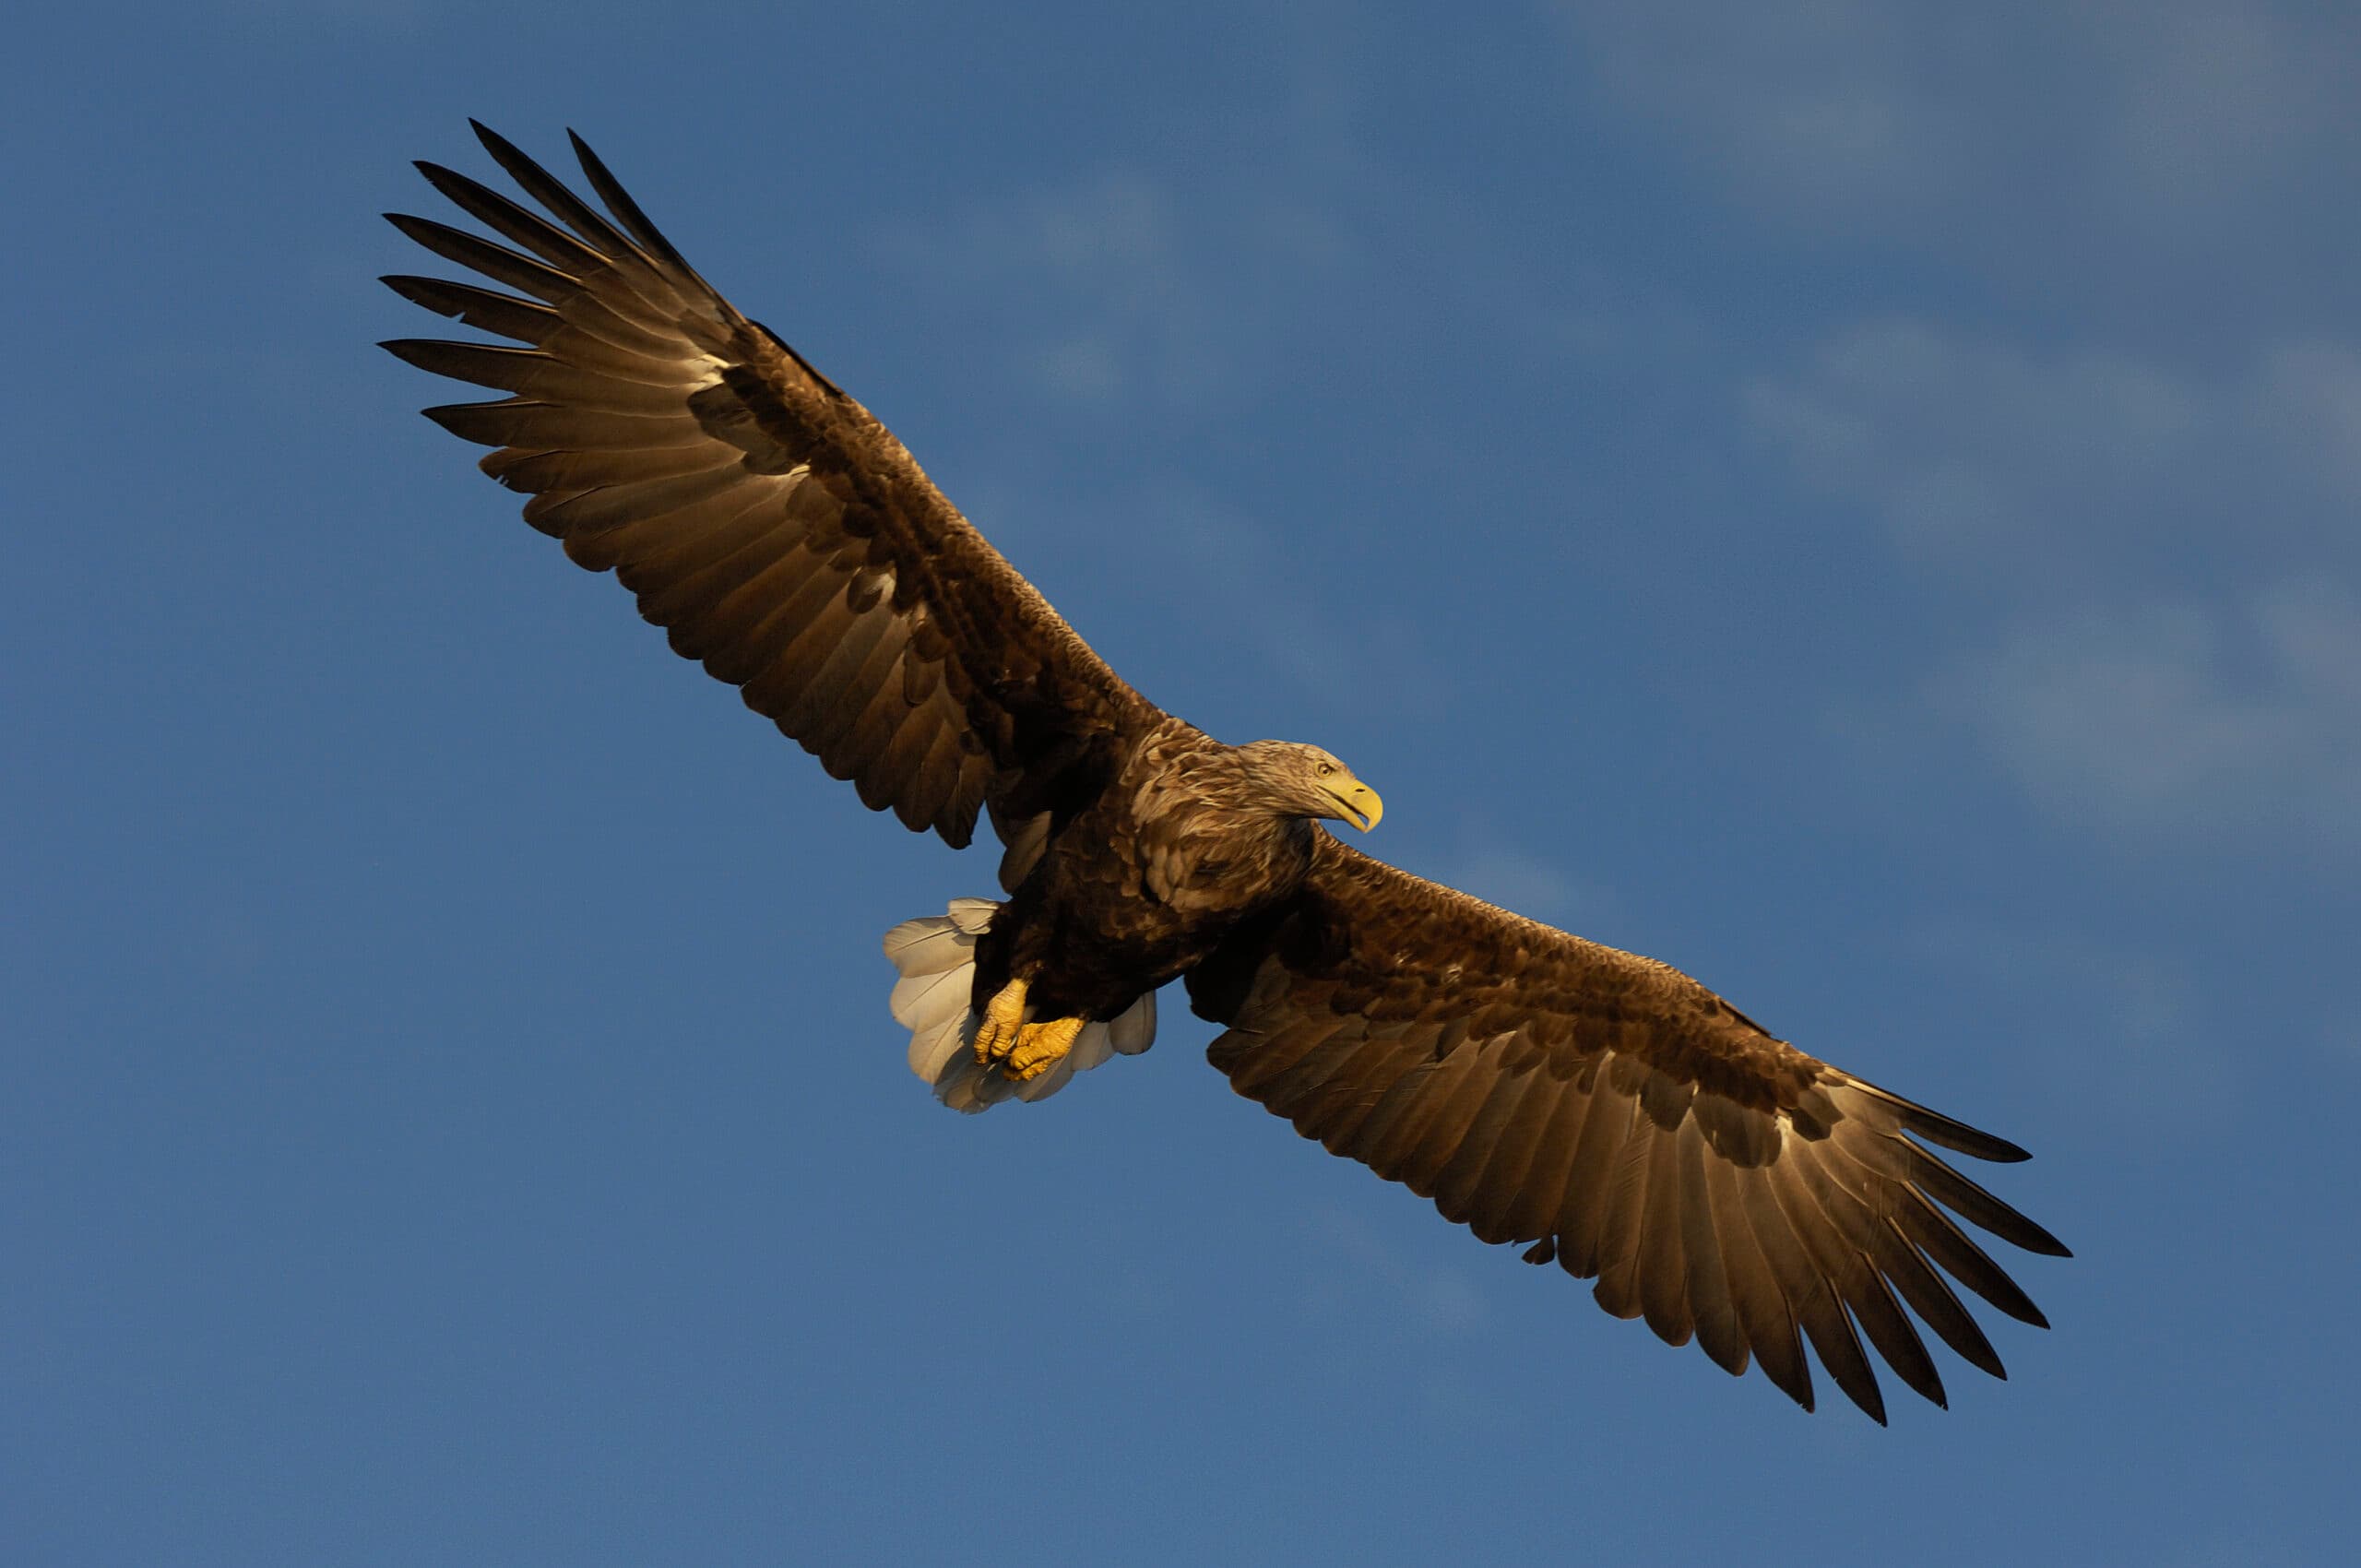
1143 883
1606 1108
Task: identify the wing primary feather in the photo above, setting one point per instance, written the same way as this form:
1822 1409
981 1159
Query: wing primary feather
1899 1263
1815 1306
541 427
1932 1297
528 321
533 374
551 192
1854 1278
1904 1161
486 424
1955 1135
619 202
536 233
496 262
1948 1247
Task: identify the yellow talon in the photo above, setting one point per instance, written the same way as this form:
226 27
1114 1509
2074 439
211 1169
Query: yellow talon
1023 1051
1002 1023
1041 1047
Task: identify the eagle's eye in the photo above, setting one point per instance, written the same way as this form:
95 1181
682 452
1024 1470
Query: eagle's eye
1326 768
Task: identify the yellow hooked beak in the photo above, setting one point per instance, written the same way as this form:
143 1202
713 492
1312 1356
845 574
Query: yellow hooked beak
1355 802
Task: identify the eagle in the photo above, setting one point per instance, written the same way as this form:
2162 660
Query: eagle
1603 1109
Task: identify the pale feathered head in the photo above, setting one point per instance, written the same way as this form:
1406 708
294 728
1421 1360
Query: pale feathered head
1301 780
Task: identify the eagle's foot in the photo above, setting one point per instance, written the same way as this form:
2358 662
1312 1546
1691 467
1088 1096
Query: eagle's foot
1041 1047
1003 1020
1023 1050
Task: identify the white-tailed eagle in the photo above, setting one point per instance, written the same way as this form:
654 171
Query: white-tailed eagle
1604 1110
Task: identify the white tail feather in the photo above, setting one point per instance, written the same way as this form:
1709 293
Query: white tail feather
1133 1031
935 957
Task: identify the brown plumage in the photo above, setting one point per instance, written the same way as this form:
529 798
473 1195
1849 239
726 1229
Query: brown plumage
1606 1108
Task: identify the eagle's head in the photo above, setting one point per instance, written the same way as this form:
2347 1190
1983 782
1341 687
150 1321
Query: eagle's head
1296 779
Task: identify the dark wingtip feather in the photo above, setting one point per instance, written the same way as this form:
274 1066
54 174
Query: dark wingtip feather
1790 1373
627 211
1956 1136
551 192
528 321
2043 1243
423 230
413 351
442 179
500 146
471 421
426 291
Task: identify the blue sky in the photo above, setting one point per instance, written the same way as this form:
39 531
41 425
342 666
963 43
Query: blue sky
1861 506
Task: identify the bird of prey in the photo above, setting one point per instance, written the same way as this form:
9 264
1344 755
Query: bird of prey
1603 1108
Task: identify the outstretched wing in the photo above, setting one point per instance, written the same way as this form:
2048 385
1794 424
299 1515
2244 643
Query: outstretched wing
780 533
1717 1181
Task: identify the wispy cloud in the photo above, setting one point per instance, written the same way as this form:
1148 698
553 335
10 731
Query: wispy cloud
1359 1265
1240 583
1996 455
1120 287
1919 120
1499 871
2121 1023
2151 547
1807 105
1104 261
2174 715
